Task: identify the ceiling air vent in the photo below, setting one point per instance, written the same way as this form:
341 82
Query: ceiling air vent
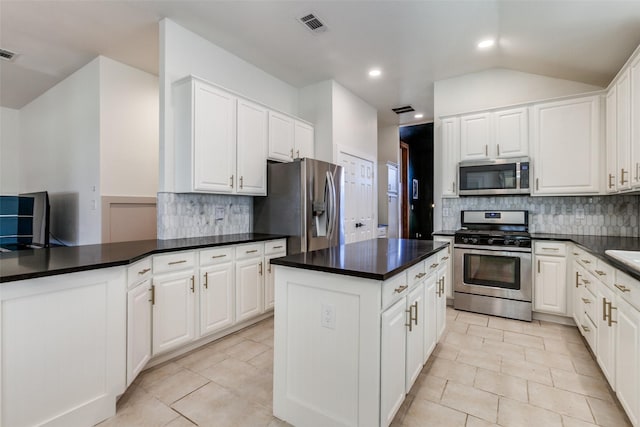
6 55
405 109
312 22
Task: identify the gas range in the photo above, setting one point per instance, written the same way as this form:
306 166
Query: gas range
507 229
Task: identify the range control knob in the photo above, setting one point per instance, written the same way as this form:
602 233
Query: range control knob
516 242
474 240
490 241
508 242
465 240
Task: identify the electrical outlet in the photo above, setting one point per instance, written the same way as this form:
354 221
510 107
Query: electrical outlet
580 214
328 316
219 214
445 212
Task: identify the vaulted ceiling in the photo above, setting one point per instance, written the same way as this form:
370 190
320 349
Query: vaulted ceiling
413 42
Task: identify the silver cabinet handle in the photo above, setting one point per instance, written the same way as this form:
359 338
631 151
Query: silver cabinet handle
298 153
550 249
600 273
420 275
206 280
622 180
218 256
182 261
241 181
260 268
585 328
586 300
251 251
486 149
278 247
193 284
143 271
399 289
231 178
623 288
537 186
611 184
498 148
578 275
292 153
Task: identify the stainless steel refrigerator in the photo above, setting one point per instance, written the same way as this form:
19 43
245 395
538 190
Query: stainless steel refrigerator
303 202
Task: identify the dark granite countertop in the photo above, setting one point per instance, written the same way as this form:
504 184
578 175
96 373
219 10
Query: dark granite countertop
597 245
449 233
32 263
377 259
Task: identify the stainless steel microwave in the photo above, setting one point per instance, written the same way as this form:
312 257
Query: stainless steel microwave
494 177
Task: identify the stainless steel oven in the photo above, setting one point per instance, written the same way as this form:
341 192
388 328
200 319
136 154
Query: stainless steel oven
492 255
494 281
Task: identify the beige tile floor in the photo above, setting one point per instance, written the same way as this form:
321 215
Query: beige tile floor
485 371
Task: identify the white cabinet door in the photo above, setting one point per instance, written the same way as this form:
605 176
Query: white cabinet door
252 141
281 137
138 329
303 140
269 281
441 310
606 331
392 360
635 122
392 178
450 155
358 198
216 297
611 141
475 136
550 284
415 334
249 287
627 355
431 311
393 220
577 285
214 139
623 131
173 310
511 134
561 130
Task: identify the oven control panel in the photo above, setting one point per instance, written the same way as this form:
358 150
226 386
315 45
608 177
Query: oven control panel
518 241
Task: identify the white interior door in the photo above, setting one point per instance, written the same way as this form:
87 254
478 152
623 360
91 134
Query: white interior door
358 197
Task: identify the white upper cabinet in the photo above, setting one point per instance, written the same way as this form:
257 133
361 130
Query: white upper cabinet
289 138
623 131
511 133
281 137
635 121
205 138
610 141
303 140
475 136
252 148
450 155
566 146
493 135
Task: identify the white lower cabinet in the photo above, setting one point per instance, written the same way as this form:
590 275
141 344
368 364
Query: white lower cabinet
416 317
216 297
431 301
627 355
138 329
249 288
174 301
550 277
393 360
606 331
441 302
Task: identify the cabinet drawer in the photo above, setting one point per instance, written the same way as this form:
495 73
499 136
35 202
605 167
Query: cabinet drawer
139 272
393 289
589 303
416 273
275 247
550 248
628 288
173 261
444 255
249 251
216 255
604 272
431 264
587 260
588 329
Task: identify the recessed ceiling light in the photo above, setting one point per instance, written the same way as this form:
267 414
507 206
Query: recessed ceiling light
486 43
375 72
419 116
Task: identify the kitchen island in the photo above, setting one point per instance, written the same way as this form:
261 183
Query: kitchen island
354 325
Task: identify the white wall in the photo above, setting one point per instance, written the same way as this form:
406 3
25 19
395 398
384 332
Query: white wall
316 107
9 151
129 147
355 123
489 89
60 151
389 144
183 53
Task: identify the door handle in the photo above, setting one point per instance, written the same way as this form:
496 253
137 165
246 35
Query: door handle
193 284
611 183
206 280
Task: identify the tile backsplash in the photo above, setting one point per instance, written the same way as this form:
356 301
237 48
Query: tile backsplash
195 215
616 215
